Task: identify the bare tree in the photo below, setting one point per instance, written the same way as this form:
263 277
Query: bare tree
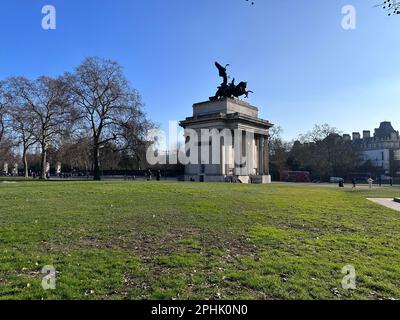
324 152
279 151
3 103
392 7
75 152
110 107
46 100
134 133
6 147
22 125
318 133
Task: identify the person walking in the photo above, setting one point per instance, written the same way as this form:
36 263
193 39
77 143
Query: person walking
370 182
354 181
149 174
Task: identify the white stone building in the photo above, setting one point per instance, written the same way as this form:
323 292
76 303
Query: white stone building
382 149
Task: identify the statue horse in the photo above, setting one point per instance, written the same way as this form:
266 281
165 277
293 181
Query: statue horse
232 91
241 90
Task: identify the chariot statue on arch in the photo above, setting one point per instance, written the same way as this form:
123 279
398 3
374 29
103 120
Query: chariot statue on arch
229 90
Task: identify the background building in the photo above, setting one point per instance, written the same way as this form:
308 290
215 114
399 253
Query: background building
382 150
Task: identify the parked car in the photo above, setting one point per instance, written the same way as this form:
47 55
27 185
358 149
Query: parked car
335 179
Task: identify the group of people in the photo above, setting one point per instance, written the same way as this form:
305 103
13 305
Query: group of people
149 175
35 175
370 182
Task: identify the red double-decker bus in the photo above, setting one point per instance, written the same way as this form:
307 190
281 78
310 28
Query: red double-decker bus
295 176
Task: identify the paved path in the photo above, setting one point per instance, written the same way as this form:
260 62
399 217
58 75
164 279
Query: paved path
335 185
388 203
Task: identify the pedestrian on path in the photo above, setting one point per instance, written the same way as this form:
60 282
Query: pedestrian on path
149 175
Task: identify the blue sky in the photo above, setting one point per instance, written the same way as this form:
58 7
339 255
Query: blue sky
304 68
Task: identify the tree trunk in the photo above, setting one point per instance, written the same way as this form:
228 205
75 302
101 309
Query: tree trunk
25 162
44 163
1 128
96 163
1 132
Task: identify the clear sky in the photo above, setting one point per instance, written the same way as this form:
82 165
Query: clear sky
304 68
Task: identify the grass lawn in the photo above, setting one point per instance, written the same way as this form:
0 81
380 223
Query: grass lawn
148 240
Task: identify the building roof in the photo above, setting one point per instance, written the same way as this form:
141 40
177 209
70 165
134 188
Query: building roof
385 130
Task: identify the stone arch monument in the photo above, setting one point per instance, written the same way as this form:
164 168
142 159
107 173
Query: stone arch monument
225 112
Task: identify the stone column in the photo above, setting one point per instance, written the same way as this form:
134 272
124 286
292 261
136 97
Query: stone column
223 159
261 157
266 155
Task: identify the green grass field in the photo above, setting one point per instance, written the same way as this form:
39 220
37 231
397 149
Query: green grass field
148 240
